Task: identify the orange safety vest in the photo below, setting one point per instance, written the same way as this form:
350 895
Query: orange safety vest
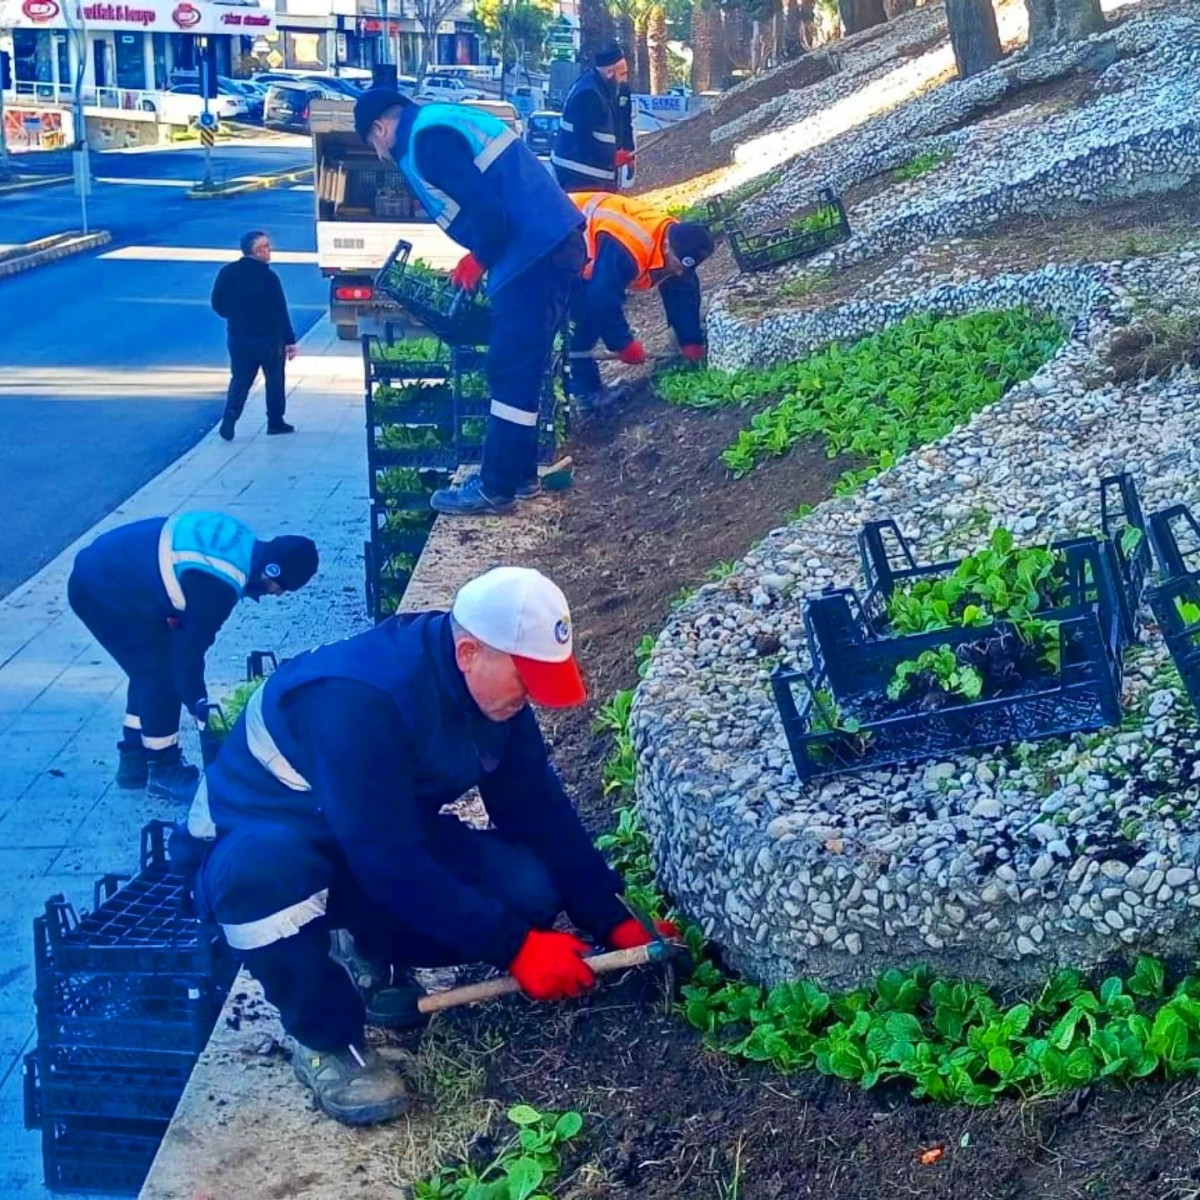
641 229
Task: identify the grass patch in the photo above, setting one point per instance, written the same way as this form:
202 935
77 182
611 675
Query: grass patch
904 387
1155 344
922 164
945 1039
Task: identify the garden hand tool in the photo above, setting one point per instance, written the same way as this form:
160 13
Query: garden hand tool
608 356
673 954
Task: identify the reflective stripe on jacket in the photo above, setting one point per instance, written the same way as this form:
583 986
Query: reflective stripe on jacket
584 154
639 228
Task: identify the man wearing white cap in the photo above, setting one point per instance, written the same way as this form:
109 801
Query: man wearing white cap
327 802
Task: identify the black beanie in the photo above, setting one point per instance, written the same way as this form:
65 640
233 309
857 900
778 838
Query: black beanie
610 55
372 104
692 243
289 561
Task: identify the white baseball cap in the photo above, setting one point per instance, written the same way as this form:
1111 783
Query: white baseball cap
520 612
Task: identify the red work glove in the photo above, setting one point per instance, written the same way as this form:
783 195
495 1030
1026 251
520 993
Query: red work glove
630 934
550 966
634 354
467 274
625 158
693 352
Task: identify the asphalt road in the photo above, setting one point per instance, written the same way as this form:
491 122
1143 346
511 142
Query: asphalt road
112 364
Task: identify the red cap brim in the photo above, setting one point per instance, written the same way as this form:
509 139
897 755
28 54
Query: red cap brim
551 684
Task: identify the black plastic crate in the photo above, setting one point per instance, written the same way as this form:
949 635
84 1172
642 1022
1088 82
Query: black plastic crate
888 560
139 925
852 665
447 312
760 251
106 1157
386 580
139 1086
130 1011
405 488
1175 601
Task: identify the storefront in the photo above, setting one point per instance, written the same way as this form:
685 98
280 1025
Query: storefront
128 47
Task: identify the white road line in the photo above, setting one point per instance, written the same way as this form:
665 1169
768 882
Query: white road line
199 254
170 183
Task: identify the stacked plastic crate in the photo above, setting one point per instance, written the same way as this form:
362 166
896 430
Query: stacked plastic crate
127 996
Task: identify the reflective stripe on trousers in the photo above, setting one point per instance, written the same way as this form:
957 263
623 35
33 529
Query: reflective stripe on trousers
286 923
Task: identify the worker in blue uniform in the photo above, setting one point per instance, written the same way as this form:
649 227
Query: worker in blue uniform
488 191
154 594
595 132
326 808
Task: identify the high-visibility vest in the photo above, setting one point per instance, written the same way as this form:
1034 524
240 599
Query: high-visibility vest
637 226
215 543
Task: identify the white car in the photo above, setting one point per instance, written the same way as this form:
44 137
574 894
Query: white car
447 90
183 104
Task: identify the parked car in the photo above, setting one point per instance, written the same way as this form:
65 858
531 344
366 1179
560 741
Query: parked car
182 104
447 90
540 131
347 88
286 106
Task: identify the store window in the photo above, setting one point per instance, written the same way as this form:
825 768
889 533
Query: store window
304 51
32 56
131 61
159 50
185 52
63 50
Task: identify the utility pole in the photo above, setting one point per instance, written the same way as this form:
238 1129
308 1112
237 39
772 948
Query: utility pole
5 69
206 118
79 152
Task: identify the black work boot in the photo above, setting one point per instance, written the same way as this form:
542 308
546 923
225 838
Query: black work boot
354 1086
390 994
227 424
170 776
131 769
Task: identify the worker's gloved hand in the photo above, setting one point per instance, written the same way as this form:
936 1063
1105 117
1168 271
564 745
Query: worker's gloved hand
625 158
693 351
550 966
634 354
630 934
467 274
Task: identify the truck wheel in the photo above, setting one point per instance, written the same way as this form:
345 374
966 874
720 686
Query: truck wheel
347 333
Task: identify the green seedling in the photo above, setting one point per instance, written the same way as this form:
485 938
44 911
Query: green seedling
923 163
947 672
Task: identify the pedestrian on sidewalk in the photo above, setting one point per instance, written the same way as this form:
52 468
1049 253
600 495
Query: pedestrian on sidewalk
632 247
248 294
595 132
154 594
326 802
488 191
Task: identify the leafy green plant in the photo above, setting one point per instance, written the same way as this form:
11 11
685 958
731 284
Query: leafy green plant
1189 612
230 708
906 386
413 437
518 1171
642 652
945 669
923 163
825 217
405 350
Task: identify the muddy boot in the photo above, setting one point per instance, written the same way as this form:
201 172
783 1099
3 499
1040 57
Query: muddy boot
390 994
131 769
354 1086
170 777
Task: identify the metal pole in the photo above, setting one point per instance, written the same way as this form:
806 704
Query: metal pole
80 155
387 32
204 89
4 163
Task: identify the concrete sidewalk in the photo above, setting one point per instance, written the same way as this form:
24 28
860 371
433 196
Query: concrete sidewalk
61 698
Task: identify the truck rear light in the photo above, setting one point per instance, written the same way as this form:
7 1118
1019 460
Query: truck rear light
353 293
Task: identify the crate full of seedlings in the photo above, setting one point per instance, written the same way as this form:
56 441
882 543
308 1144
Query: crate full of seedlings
429 298
1009 644
472 404
821 225
1175 598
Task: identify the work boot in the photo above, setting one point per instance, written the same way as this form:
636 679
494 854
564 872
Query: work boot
131 769
354 1086
530 490
470 500
227 424
390 994
598 404
280 427
170 776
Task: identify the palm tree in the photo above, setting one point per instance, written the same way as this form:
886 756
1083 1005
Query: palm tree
703 16
656 39
595 27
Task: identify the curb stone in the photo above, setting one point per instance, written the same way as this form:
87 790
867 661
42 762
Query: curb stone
66 249
35 181
255 183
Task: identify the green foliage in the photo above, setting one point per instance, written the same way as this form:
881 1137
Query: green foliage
906 386
1001 581
231 706
826 217
519 1170
1189 612
423 349
950 675
621 767
922 164
413 437
946 1039
642 652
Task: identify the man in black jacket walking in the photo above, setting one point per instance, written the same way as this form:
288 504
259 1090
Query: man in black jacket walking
595 131
248 294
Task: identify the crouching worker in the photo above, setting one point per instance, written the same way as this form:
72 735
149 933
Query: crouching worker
326 805
632 247
154 594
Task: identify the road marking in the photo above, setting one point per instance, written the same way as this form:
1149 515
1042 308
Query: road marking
200 254
301 187
175 183
96 383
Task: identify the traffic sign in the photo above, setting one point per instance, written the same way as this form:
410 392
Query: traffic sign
207 137
208 120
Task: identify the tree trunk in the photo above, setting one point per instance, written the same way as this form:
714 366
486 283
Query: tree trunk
595 28
808 24
735 39
974 35
793 31
656 43
1053 22
639 63
703 16
858 15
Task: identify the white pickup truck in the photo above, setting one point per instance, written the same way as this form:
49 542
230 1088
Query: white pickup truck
363 208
